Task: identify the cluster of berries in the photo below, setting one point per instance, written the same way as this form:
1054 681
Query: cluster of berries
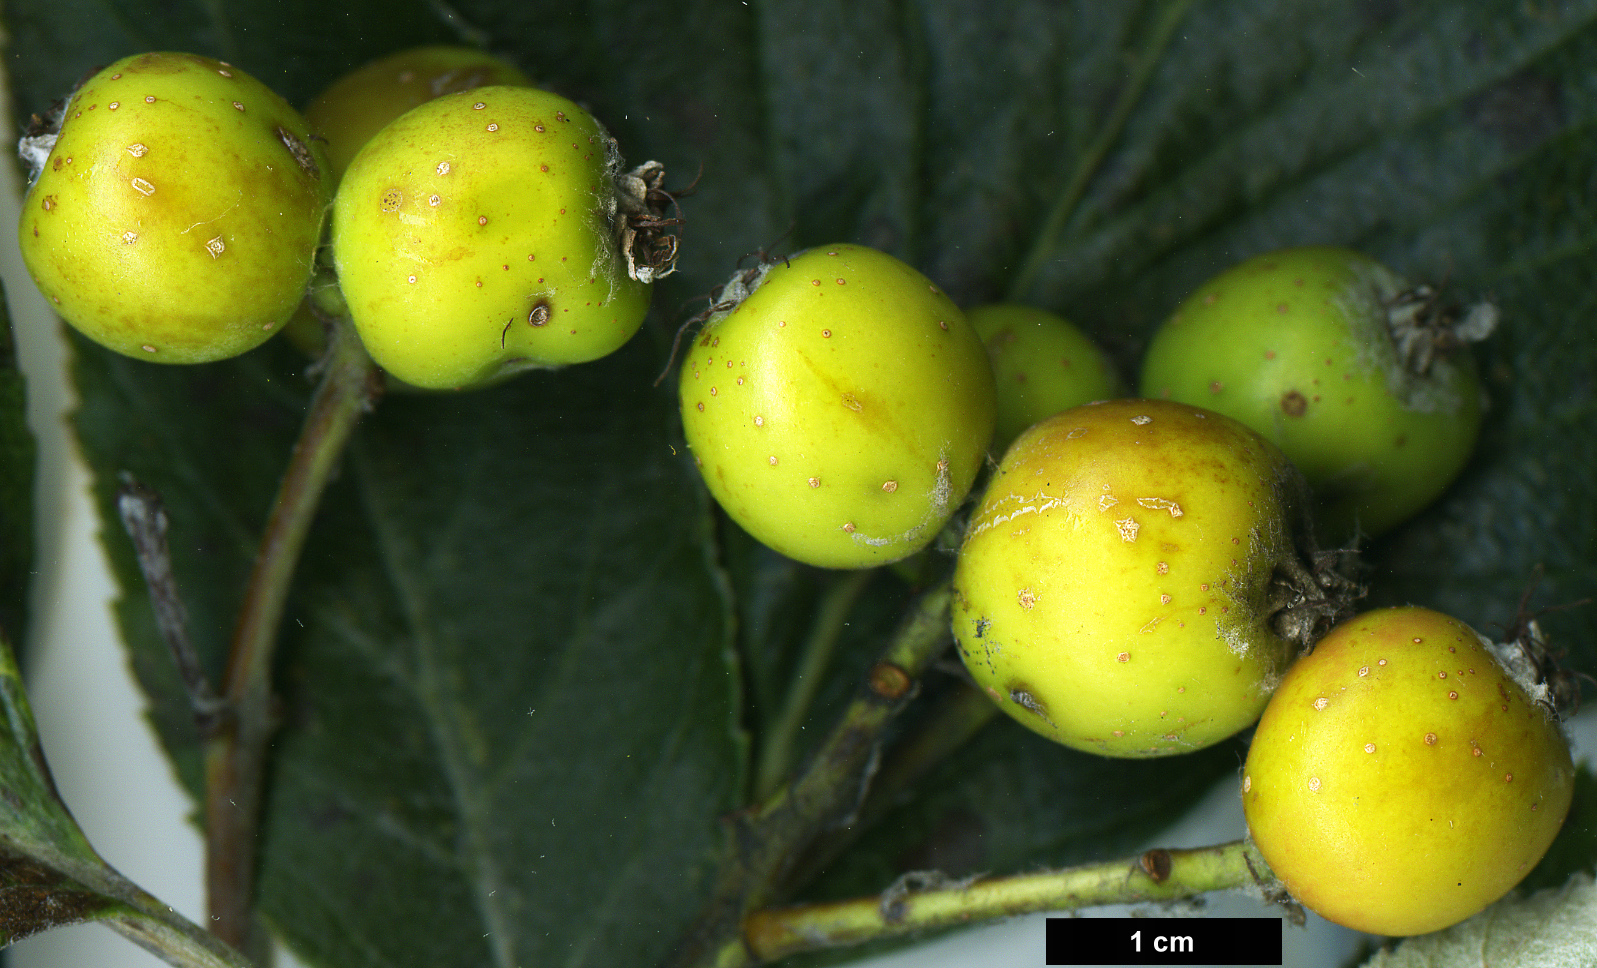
1139 576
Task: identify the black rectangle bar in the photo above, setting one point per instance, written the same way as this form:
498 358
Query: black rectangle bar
1164 941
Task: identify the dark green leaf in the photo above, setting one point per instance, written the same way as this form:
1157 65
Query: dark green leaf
508 699
16 491
49 875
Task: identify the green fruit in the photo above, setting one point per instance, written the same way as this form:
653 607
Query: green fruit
176 216
364 101
1341 364
841 409
1114 590
1043 365
1401 780
480 235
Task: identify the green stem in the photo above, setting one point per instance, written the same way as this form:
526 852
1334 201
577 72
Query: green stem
776 753
152 925
235 757
1157 875
950 724
765 842
1065 205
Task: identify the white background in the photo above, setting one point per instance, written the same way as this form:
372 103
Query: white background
122 791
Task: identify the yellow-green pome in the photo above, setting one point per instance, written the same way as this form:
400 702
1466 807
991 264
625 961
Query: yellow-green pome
1358 376
1043 364
841 410
361 103
176 216
1113 589
1400 779
476 237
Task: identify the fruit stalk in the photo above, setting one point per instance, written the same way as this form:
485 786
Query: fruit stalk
765 841
235 757
1156 875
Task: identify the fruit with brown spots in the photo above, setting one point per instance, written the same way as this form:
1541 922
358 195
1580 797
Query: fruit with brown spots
1042 365
1400 779
839 408
176 215
361 103
1122 582
482 233
1363 380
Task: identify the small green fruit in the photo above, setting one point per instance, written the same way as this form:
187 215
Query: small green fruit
483 233
177 213
361 103
1347 368
1114 590
1043 365
1401 780
841 409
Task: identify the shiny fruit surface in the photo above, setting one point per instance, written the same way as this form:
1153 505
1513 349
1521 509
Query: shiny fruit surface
176 216
1113 592
840 412
1401 780
474 237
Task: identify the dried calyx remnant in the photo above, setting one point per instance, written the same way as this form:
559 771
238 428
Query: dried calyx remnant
39 137
645 215
1308 599
1424 326
1533 662
722 299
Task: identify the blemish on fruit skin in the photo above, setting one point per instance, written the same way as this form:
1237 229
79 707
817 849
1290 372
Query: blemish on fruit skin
1162 568
1027 598
1314 784
1369 747
1076 433
1430 739
701 407
814 481
443 168
142 187
1320 702
1124 657
1164 599
889 487
1128 529
1142 419
848 527
773 460
1364 671
1216 386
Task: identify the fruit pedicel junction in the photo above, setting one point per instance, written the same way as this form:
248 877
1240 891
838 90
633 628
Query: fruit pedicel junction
1132 569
